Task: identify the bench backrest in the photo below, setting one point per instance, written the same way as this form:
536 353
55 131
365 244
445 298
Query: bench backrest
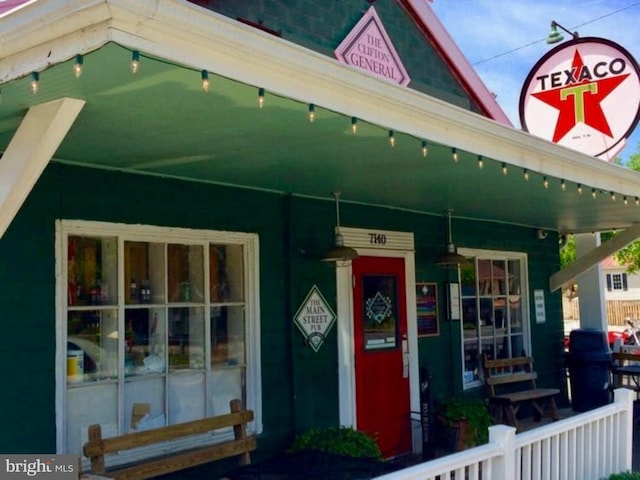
97 447
508 371
621 358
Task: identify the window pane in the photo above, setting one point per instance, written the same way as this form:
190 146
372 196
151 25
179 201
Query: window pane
185 273
226 279
144 272
186 338
92 345
92 271
144 403
380 311
468 278
227 336
145 341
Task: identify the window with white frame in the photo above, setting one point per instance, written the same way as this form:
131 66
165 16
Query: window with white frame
156 326
617 281
494 316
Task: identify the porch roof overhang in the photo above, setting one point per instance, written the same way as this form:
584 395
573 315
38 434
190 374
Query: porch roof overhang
160 122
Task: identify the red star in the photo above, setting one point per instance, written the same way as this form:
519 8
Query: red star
588 95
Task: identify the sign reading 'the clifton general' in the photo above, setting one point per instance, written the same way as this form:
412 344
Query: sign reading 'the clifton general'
584 95
369 48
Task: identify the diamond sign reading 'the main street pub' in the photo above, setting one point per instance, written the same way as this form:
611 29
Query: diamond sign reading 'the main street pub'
315 318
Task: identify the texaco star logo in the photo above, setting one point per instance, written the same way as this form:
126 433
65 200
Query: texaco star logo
585 95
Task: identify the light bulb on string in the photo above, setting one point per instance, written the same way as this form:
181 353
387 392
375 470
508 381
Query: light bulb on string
135 61
545 182
613 197
563 185
593 193
626 202
261 97
454 154
480 162
204 74
35 82
425 148
525 174
312 112
354 125
580 188
77 66
392 138
504 168
637 201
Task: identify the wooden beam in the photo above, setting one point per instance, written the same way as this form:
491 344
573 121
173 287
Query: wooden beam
588 260
32 146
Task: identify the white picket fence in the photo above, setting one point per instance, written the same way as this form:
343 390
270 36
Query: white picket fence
587 446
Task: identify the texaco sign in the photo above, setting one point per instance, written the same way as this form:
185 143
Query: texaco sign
584 95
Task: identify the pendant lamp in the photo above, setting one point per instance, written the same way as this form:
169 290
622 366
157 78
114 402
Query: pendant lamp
450 258
339 252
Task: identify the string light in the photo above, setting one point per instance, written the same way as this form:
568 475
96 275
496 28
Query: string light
354 125
593 192
525 174
77 66
312 112
637 201
454 154
580 188
392 138
504 168
626 202
135 61
205 80
545 182
261 97
425 148
35 81
613 197
563 185
480 162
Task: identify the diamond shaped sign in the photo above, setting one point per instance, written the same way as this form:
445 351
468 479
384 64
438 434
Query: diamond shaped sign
315 318
369 48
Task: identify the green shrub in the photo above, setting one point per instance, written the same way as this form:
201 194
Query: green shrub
624 476
475 411
340 440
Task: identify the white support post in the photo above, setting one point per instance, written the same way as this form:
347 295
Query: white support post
593 313
625 396
32 146
505 465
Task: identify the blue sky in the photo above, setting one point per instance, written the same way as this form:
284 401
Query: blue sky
503 39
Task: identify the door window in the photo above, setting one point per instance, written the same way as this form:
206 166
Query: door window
380 325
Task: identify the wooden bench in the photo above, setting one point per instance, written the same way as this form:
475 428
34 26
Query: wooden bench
97 447
510 383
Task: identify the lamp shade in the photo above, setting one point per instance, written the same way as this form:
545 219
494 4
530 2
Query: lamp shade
339 252
450 258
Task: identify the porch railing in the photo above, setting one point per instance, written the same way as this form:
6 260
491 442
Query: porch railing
590 445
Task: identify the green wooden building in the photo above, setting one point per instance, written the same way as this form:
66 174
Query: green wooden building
166 215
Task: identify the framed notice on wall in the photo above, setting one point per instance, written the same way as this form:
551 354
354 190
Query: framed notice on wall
427 308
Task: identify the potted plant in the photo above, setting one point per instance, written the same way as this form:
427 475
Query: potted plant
339 440
465 422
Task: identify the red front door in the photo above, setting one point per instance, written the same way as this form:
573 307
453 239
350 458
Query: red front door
381 353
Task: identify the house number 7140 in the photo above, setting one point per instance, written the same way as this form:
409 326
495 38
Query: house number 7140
377 238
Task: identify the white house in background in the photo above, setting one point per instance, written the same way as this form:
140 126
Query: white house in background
619 284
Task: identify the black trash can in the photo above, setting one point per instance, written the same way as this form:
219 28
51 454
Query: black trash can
589 363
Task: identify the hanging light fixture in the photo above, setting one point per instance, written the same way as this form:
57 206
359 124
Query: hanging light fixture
451 258
555 36
339 252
